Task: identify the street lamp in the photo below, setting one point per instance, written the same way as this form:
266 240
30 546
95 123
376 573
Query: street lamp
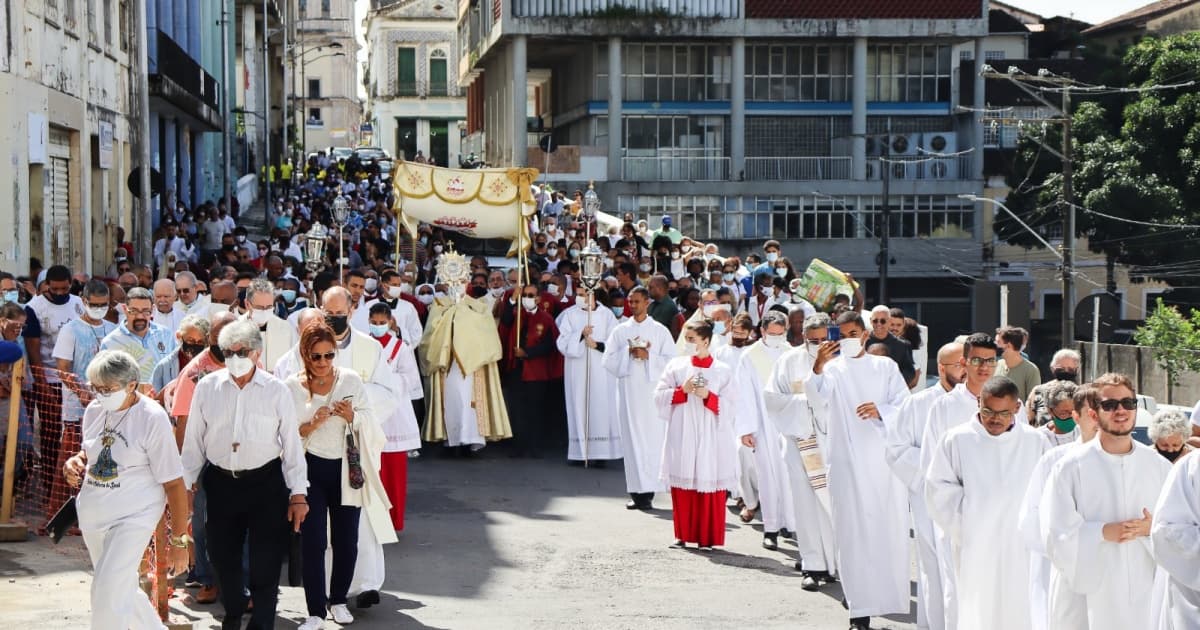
314 246
591 268
341 212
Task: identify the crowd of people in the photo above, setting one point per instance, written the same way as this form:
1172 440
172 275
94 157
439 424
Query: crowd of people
253 392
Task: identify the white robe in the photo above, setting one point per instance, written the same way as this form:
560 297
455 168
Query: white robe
588 386
1175 542
973 490
400 426
904 456
169 320
774 488
798 416
404 313
1088 489
642 432
696 453
278 339
747 485
869 505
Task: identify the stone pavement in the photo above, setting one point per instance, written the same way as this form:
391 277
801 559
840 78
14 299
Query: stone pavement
498 543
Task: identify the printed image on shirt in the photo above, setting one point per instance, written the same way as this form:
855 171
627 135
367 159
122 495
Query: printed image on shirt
104 469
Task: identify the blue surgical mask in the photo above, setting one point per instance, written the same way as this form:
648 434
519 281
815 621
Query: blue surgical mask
289 295
378 330
12 296
619 311
719 328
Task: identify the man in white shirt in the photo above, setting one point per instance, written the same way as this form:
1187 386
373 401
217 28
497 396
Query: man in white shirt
278 336
1175 542
187 287
973 490
1096 520
165 313
242 435
170 242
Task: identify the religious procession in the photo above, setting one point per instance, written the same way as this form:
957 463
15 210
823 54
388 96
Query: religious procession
272 402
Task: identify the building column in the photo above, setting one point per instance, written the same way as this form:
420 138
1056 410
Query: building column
616 87
156 161
166 20
180 29
520 101
250 103
170 161
980 102
858 111
737 110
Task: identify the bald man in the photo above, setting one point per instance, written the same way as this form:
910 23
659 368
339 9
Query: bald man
904 446
165 314
188 289
127 281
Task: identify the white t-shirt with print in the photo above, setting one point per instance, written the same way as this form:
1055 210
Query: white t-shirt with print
51 318
126 465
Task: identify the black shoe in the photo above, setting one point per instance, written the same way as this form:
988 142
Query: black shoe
599 463
366 599
679 544
809 583
771 541
860 623
633 505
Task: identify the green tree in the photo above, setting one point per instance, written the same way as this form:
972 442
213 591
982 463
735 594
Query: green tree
1174 338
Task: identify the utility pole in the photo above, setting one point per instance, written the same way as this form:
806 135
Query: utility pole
884 254
144 223
1068 193
267 163
226 145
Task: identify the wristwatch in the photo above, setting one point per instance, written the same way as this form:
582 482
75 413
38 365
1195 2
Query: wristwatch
179 541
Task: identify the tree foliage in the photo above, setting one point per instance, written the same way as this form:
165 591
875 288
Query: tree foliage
1137 158
1174 338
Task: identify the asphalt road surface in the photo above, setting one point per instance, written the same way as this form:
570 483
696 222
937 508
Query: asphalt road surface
493 542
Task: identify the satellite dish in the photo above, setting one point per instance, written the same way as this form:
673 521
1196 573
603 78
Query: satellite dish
1110 317
134 182
547 144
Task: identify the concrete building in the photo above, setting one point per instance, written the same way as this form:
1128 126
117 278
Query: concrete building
821 124
66 94
414 101
323 58
1166 17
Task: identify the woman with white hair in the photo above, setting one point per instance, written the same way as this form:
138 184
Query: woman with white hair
1169 431
1059 398
130 470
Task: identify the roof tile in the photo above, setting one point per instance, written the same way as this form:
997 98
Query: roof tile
864 9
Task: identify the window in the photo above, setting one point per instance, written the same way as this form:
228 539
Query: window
68 14
966 55
437 74
324 8
669 72
123 24
798 73
993 55
908 73
314 88
314 117
93 33
406 71
107 8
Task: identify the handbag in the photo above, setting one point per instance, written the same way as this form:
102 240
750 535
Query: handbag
354 461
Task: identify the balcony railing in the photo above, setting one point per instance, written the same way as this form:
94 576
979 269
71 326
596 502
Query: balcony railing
921 167
674 169
627 8
797 168
422 88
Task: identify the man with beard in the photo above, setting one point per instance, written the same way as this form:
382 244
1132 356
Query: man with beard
904 456
144 340
1095 515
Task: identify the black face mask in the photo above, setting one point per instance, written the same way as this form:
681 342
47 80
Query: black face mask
58 300
1064 375
215 352
339 323
192 349
1170 455
241 296
673 293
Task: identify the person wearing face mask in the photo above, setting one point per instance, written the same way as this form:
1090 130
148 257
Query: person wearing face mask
763 297
532 364
904 457
861 391
1064 366
757 430
588 387
803 421
361 353
636 353
425 295
1060 402
1168 432
697 398
277 336
144 340
400 426
290 301
408 321
192 339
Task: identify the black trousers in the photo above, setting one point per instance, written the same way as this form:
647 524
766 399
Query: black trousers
527 413
325 500
253 505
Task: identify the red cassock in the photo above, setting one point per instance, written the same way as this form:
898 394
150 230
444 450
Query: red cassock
538 327
393 472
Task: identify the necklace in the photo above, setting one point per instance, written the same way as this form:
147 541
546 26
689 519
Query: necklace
105 467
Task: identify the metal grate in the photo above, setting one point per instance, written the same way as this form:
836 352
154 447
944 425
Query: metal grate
777 136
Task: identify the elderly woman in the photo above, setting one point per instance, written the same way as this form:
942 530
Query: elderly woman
1059 398
339 433
129 469
1169 430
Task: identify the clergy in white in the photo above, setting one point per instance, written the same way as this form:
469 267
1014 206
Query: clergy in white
636 353
1175 542
165 313
803 421
697 399
1071 607
1096 519
973 490
741 335
591 409
904 456
869 505
758 431
278 336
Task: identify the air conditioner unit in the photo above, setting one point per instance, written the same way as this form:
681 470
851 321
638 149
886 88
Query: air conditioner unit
904 144
903 170
875 145
943 143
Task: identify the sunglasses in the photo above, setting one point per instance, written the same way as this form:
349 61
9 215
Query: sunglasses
879 321
978 361
317 356
241 354
1111 404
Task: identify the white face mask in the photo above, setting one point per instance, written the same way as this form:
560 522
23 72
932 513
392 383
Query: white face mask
260 317
552 289
581 301
772 256
437 249
496 292
394 292
529 303
238 366
851 347
781 272
425 299
689 348
775 341
371 285
644 267
97 313
709 309
112 402
552 252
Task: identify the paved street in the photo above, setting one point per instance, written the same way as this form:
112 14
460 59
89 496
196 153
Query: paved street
502 543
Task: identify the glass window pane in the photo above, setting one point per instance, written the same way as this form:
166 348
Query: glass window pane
914 60
822 54
650 88
808 88
633 59
762 61
822 89
761 93
792 88
666 60
929 61
837 60
943 60
776 60
793 61
650 60
633 88
681 60
777 89
696 56
697 89
602 59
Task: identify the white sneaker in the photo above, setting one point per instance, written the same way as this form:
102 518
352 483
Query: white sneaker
341 614
312 623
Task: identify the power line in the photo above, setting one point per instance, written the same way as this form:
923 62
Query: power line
1183 226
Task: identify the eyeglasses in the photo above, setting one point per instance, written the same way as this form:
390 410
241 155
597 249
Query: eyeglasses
1111 404
183 290
978 361
138 311
317 356
879 321
814 342
104 305
104 391
241 354
984 412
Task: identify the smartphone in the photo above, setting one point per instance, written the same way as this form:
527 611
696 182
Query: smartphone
835 333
